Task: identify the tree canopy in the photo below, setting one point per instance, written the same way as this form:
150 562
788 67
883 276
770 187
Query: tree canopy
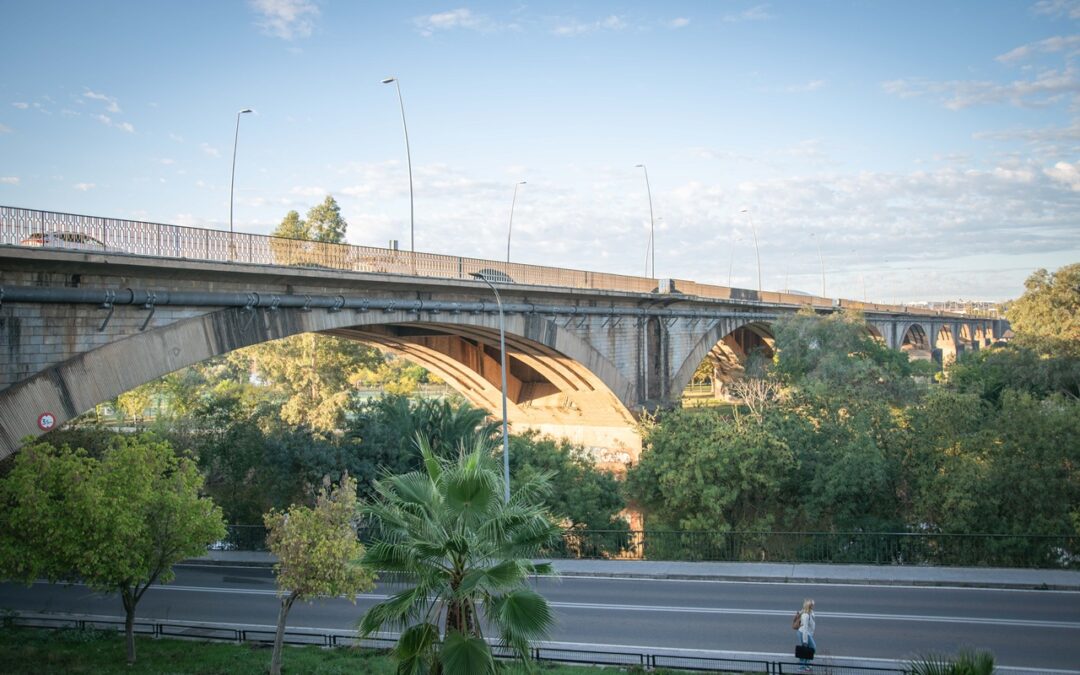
467 556
1048 313
318 553
117 524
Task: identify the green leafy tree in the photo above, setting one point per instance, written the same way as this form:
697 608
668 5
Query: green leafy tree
447 529
1047 315
325 224
318 553
584 497
308 242
311 373
292 227
117 524
989 373
835 355
704 470
1009 470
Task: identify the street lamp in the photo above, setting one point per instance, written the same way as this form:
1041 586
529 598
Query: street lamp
822 259
652 223
502 367
232 181
510 229
757 251
408 157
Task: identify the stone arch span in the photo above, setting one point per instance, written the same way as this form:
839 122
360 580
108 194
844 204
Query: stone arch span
558 384
915 340
726 344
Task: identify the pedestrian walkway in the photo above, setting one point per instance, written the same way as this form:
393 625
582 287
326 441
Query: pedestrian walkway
896 575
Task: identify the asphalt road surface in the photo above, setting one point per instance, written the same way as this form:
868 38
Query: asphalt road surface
1027 629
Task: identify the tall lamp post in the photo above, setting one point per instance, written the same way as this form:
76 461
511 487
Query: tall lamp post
510 229
502 367
408 157
232 180
822 260
652 223
757 251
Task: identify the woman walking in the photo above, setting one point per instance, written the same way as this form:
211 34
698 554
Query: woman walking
806 632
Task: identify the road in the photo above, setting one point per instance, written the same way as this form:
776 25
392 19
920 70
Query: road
1026 629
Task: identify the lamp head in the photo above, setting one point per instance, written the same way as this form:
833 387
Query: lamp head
477 275
744 210
639 166
388 80
522 182
245 110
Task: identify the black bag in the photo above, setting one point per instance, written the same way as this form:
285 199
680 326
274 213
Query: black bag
804 652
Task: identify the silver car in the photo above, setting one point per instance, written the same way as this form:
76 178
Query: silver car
72 240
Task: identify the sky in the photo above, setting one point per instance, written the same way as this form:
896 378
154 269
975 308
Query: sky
904 151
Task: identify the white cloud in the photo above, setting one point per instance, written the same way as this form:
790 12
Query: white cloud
679 22
167 161
308 191
109 122
1066 173
756 13
209 149
83 187
110 103
286 19
1048 46
460 18
573 27
9 180
176 137
4 129
21 105
1046 88
1056 8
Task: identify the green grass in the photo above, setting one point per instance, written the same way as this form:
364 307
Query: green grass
37 652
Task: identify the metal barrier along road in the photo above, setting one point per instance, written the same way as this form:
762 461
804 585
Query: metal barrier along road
865 548
192 630
861 548
48 229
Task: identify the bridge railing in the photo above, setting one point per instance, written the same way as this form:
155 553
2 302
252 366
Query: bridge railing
862 548
32 227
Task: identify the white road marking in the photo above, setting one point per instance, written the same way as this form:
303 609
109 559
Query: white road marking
916 618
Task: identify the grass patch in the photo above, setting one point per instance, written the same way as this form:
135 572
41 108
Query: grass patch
93 652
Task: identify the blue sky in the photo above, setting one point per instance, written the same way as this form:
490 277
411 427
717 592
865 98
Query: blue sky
931 149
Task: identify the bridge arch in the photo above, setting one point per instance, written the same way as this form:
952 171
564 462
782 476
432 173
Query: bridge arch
915 340
946 344
727 345
558 381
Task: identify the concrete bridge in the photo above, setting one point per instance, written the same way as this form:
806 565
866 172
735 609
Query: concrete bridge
93 307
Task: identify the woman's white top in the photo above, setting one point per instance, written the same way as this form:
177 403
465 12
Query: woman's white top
806 625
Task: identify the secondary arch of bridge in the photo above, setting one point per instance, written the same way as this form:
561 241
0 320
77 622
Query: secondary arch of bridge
727 345
557 382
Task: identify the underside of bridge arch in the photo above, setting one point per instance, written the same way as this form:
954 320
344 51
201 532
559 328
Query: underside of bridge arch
718 361
546 390
945 345
916 343
874 332
557 382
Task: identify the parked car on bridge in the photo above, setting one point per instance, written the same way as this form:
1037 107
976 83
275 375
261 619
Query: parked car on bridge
497 276
75 240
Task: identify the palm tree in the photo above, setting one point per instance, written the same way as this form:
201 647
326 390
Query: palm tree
446 530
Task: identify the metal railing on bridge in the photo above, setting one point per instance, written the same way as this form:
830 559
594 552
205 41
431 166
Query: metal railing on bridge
49 229
862 548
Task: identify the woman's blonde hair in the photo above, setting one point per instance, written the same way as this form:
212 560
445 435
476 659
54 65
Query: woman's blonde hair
808 605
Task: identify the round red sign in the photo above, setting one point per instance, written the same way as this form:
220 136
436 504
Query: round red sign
46 421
